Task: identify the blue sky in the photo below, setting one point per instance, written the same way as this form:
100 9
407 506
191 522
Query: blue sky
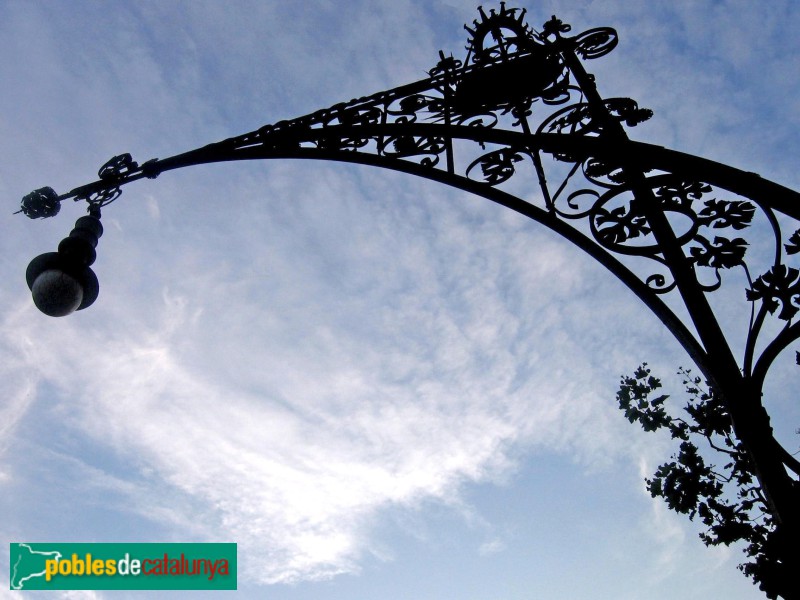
376 386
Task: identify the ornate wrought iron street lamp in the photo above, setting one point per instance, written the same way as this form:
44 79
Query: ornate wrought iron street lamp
522 105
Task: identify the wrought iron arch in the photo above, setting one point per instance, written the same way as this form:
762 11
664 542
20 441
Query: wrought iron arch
521 96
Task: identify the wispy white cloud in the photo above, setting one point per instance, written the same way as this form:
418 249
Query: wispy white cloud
295 460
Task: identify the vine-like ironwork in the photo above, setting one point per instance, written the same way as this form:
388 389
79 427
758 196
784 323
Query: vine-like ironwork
511 96
510 99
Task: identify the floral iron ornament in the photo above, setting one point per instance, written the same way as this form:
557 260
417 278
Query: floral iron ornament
519 111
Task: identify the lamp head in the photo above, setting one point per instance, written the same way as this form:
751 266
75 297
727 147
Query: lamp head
62 282
59 288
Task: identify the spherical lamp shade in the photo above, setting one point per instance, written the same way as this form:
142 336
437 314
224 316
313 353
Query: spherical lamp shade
56 293
58 287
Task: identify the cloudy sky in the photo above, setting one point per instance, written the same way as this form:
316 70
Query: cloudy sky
378 387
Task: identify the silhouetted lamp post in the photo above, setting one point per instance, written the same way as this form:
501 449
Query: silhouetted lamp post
522 104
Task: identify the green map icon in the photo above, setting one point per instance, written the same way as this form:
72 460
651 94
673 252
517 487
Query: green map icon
28 564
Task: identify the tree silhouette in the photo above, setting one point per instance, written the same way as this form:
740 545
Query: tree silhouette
727 499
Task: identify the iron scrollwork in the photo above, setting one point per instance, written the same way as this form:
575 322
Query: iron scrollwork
496 167
513 79
596 43
510 77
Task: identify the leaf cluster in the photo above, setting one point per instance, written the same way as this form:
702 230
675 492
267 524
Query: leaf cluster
727 499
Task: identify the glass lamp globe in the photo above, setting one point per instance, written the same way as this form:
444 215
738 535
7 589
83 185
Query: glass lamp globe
56 293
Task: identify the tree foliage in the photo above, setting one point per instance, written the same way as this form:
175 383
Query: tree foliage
726 498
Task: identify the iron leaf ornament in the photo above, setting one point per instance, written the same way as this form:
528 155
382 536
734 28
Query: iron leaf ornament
778 287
